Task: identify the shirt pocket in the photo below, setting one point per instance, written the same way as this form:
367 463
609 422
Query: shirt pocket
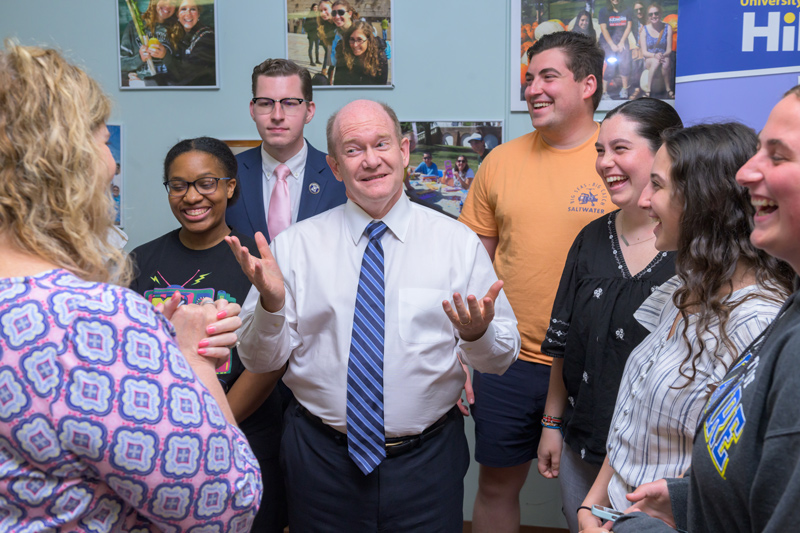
422 319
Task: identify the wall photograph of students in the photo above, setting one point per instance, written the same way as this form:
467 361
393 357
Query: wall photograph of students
167 44
342 42
445 157
639 39
115 145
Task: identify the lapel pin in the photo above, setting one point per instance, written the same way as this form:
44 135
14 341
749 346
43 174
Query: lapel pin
313 188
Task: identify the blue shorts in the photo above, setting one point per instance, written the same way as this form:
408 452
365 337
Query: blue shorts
508 414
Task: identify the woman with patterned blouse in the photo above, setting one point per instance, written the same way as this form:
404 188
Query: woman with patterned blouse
109 420
725 294
612 267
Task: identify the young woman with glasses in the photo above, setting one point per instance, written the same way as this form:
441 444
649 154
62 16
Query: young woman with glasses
200 178
656 42
362 58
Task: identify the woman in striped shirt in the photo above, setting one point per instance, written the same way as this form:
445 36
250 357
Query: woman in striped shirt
724 294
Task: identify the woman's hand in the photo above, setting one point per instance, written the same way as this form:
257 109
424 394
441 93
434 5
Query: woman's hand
587 521
144 53
157 51
221 335
191 322
549 454
653 499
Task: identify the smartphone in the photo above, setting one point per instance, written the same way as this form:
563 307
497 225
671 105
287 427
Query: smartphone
606 513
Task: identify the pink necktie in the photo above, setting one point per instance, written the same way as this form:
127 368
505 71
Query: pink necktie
280 210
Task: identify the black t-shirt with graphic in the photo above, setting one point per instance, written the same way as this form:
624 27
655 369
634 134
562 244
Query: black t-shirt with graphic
165 265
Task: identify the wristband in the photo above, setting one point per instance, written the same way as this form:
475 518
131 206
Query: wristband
552 421
583 507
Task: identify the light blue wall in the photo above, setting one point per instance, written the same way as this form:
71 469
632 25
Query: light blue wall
461 43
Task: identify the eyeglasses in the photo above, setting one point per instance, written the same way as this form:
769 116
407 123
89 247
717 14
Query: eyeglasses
639 9
339 12
357 41
265 106
461 161
427 157
655 14
204 186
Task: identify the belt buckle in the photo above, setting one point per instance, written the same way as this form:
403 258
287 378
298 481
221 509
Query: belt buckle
393 449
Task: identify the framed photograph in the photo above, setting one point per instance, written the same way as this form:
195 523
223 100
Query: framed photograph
638 37
117 182
343 43
445 155
167 44
239 146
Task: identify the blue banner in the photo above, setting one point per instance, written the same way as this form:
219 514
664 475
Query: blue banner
735 38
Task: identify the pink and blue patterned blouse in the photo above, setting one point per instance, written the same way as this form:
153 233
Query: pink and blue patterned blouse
103 424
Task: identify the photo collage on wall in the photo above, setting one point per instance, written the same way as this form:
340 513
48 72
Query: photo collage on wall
342 43
639 39
167 44
445 155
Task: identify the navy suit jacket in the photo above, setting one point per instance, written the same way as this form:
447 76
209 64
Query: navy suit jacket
320 192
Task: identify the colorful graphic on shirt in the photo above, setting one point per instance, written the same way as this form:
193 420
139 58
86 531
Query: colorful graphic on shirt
724 425
188 296
589 198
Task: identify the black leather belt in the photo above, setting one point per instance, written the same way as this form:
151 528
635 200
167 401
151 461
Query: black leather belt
395 446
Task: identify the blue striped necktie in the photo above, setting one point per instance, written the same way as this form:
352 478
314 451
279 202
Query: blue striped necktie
365 433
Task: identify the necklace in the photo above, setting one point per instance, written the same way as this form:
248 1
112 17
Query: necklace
622 236
634 244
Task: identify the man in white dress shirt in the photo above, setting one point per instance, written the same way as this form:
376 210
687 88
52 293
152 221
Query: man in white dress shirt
307 308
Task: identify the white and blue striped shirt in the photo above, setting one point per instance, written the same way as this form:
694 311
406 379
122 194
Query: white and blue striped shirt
654 421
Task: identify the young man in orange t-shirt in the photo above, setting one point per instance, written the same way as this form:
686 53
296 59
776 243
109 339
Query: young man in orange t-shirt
529 200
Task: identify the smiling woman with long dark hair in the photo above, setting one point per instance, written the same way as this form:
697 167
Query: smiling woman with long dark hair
194 61
612 267
362 57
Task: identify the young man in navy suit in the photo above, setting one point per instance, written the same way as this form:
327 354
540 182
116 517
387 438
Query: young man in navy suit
282 181
281 106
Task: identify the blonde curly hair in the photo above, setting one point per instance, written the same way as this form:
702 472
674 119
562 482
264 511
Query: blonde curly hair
55 201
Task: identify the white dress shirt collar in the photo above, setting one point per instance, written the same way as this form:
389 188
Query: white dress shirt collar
296 163
397 219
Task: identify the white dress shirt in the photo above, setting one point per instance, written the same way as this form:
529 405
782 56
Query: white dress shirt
427 257
297 166
654 421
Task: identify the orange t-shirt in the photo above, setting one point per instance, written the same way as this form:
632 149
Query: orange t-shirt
535 199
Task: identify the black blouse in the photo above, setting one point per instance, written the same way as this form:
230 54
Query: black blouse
593 329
